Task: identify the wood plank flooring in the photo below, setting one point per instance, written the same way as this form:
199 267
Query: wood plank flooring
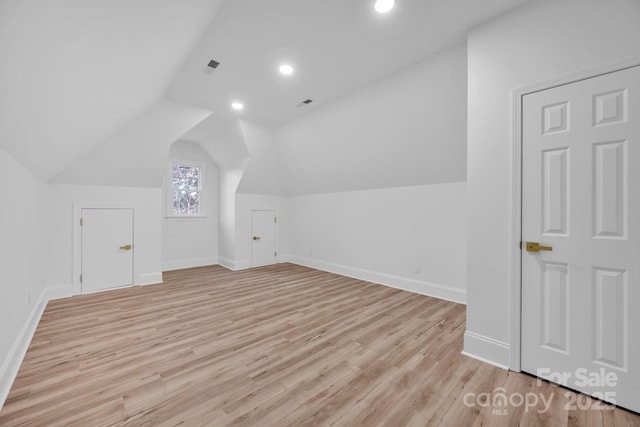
281 345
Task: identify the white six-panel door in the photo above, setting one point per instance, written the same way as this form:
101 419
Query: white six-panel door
107 249
581 199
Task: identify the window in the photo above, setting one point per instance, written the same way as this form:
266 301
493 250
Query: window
185 185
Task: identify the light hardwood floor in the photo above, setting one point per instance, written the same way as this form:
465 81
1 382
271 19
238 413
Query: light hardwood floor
276 346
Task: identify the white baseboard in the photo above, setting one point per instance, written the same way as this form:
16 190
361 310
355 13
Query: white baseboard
234 265
188 263
227 263
243 264
283 258
488 350
149 279
11 365
417 286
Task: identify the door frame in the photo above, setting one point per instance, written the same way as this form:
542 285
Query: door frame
277 242
77 241
516 189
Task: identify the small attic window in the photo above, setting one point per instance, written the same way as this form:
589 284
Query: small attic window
185 189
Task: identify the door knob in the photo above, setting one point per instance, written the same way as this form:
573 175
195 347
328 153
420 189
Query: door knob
126 247
256 238
535 247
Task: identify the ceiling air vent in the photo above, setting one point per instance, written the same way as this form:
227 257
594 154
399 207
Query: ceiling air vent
305 102
211 66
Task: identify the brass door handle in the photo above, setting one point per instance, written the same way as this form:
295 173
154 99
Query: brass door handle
535 247
126 247
256 238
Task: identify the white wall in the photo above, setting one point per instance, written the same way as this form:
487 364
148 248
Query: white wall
408 129
21 251
542 40
229 180
191 242
58 230
263 172
244 205
382 235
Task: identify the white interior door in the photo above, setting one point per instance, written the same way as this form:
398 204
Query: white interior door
264 245
581 198
107 249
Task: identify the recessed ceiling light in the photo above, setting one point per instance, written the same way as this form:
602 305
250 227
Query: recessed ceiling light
237 106
286 69
384 6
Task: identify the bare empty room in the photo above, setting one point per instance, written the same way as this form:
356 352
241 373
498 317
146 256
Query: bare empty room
320 213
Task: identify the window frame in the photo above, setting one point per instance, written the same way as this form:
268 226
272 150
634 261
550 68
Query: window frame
170 214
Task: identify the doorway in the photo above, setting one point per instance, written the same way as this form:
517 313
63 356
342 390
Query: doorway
580 253
264 245
106 249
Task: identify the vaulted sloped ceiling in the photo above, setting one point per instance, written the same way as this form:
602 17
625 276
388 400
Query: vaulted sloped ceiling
226 146
75 72
383 113
87 85
136 155
408 129
335 46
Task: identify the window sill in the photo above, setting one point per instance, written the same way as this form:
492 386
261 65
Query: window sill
186 217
